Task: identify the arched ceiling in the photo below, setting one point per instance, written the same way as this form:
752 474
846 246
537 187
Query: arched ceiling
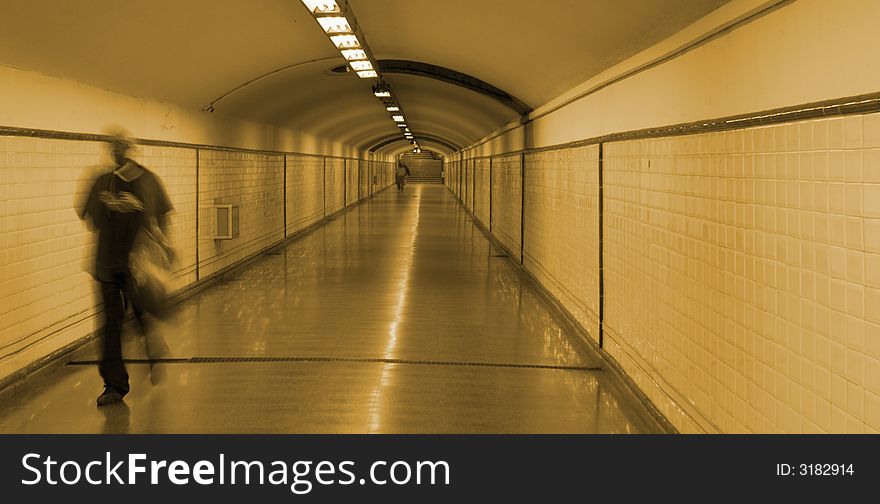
267 61
533 49
391 143
446 110
184 52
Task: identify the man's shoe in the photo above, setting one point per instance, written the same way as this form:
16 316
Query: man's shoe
109 396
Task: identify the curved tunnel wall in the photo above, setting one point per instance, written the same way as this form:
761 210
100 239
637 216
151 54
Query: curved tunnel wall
740 268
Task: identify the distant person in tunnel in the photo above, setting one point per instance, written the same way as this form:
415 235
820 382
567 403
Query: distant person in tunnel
401 174
128 207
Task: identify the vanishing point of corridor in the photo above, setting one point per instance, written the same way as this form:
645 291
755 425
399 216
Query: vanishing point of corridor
398 316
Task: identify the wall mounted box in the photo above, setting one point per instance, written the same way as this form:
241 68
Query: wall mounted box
227 222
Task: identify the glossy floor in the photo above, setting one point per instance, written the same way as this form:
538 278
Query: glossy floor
397 316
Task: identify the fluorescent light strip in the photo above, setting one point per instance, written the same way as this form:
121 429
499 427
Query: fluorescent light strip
340 31
345 41
322 6
354 54
334 24
361 65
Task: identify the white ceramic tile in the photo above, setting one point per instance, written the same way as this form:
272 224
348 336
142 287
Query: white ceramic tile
651 264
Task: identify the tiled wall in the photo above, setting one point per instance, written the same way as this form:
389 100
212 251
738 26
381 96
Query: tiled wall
743 274
47 296
455 180
469 184
364 180
369 175
334 185
452 168
507 202
374 176
46 253
305 193
561 242
481 190
462 180
254 182
352 174
742 268
383 173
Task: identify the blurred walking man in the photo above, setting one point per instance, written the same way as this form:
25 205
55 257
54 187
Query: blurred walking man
122 204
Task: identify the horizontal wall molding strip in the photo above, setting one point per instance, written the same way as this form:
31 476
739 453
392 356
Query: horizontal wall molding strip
95 137
862 104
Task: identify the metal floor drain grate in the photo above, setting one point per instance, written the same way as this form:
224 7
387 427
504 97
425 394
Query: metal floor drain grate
131 361
232 360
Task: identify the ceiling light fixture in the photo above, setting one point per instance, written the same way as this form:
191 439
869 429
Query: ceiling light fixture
335 24
322 6
338 22
345 41
354 54
358 66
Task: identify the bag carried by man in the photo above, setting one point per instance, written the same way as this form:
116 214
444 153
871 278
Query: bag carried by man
150 263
